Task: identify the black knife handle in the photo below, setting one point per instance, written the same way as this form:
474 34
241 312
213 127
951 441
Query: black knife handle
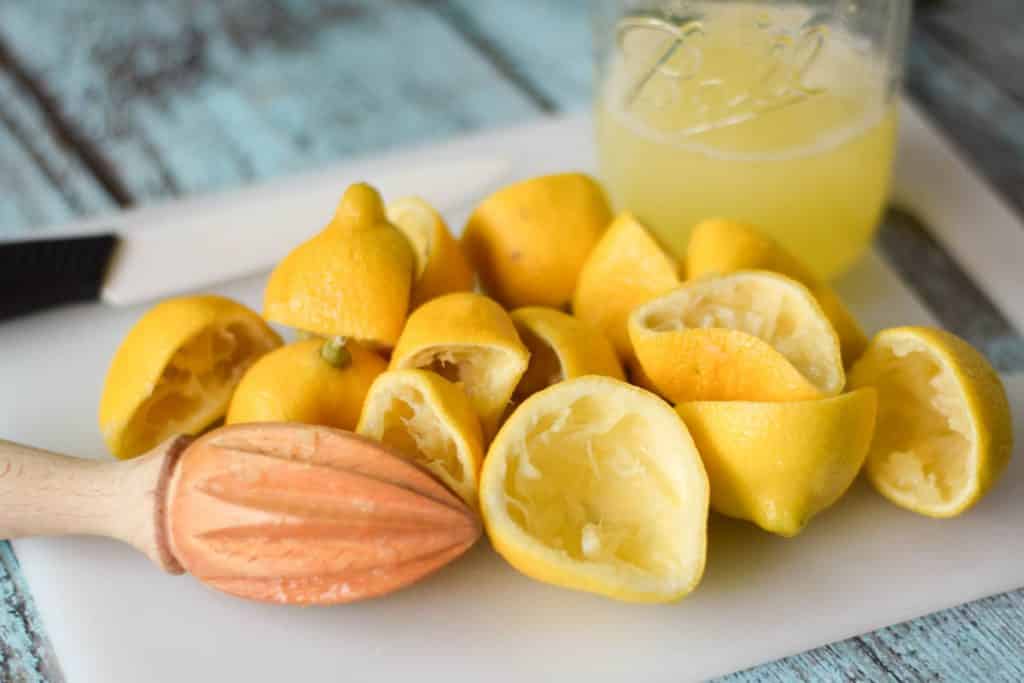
40 274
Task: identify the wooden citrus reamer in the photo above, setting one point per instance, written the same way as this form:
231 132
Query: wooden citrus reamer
273 512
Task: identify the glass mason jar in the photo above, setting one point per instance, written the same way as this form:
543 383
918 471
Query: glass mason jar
781 115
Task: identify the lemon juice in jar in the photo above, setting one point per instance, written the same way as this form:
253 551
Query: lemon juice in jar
770 114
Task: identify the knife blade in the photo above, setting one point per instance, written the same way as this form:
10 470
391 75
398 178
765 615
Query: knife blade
205 241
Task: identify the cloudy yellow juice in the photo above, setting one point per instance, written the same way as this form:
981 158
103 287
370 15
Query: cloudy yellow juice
754 114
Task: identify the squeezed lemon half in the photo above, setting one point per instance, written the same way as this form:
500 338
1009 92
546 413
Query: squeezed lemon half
561 347
295 383
944 431
718 247
594 484
626 268
176 369
430 421
780 464
528 241
468 339
441 267
747 336
353 279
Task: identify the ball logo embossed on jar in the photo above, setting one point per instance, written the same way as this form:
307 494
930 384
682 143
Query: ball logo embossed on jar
678 61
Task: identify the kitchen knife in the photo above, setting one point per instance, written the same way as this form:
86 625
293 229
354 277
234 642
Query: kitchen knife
202 242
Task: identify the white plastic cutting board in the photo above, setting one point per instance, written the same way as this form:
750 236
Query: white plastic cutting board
114 618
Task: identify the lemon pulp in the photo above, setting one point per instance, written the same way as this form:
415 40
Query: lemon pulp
475 368
923 429
772 309
201 374
544 369
582 481
408 424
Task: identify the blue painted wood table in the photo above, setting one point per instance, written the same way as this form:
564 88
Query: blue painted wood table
107 103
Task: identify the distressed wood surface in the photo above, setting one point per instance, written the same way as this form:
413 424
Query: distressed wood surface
111 102
987 41
178 96
42 181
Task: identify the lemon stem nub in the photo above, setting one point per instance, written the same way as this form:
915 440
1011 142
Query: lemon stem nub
334 352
